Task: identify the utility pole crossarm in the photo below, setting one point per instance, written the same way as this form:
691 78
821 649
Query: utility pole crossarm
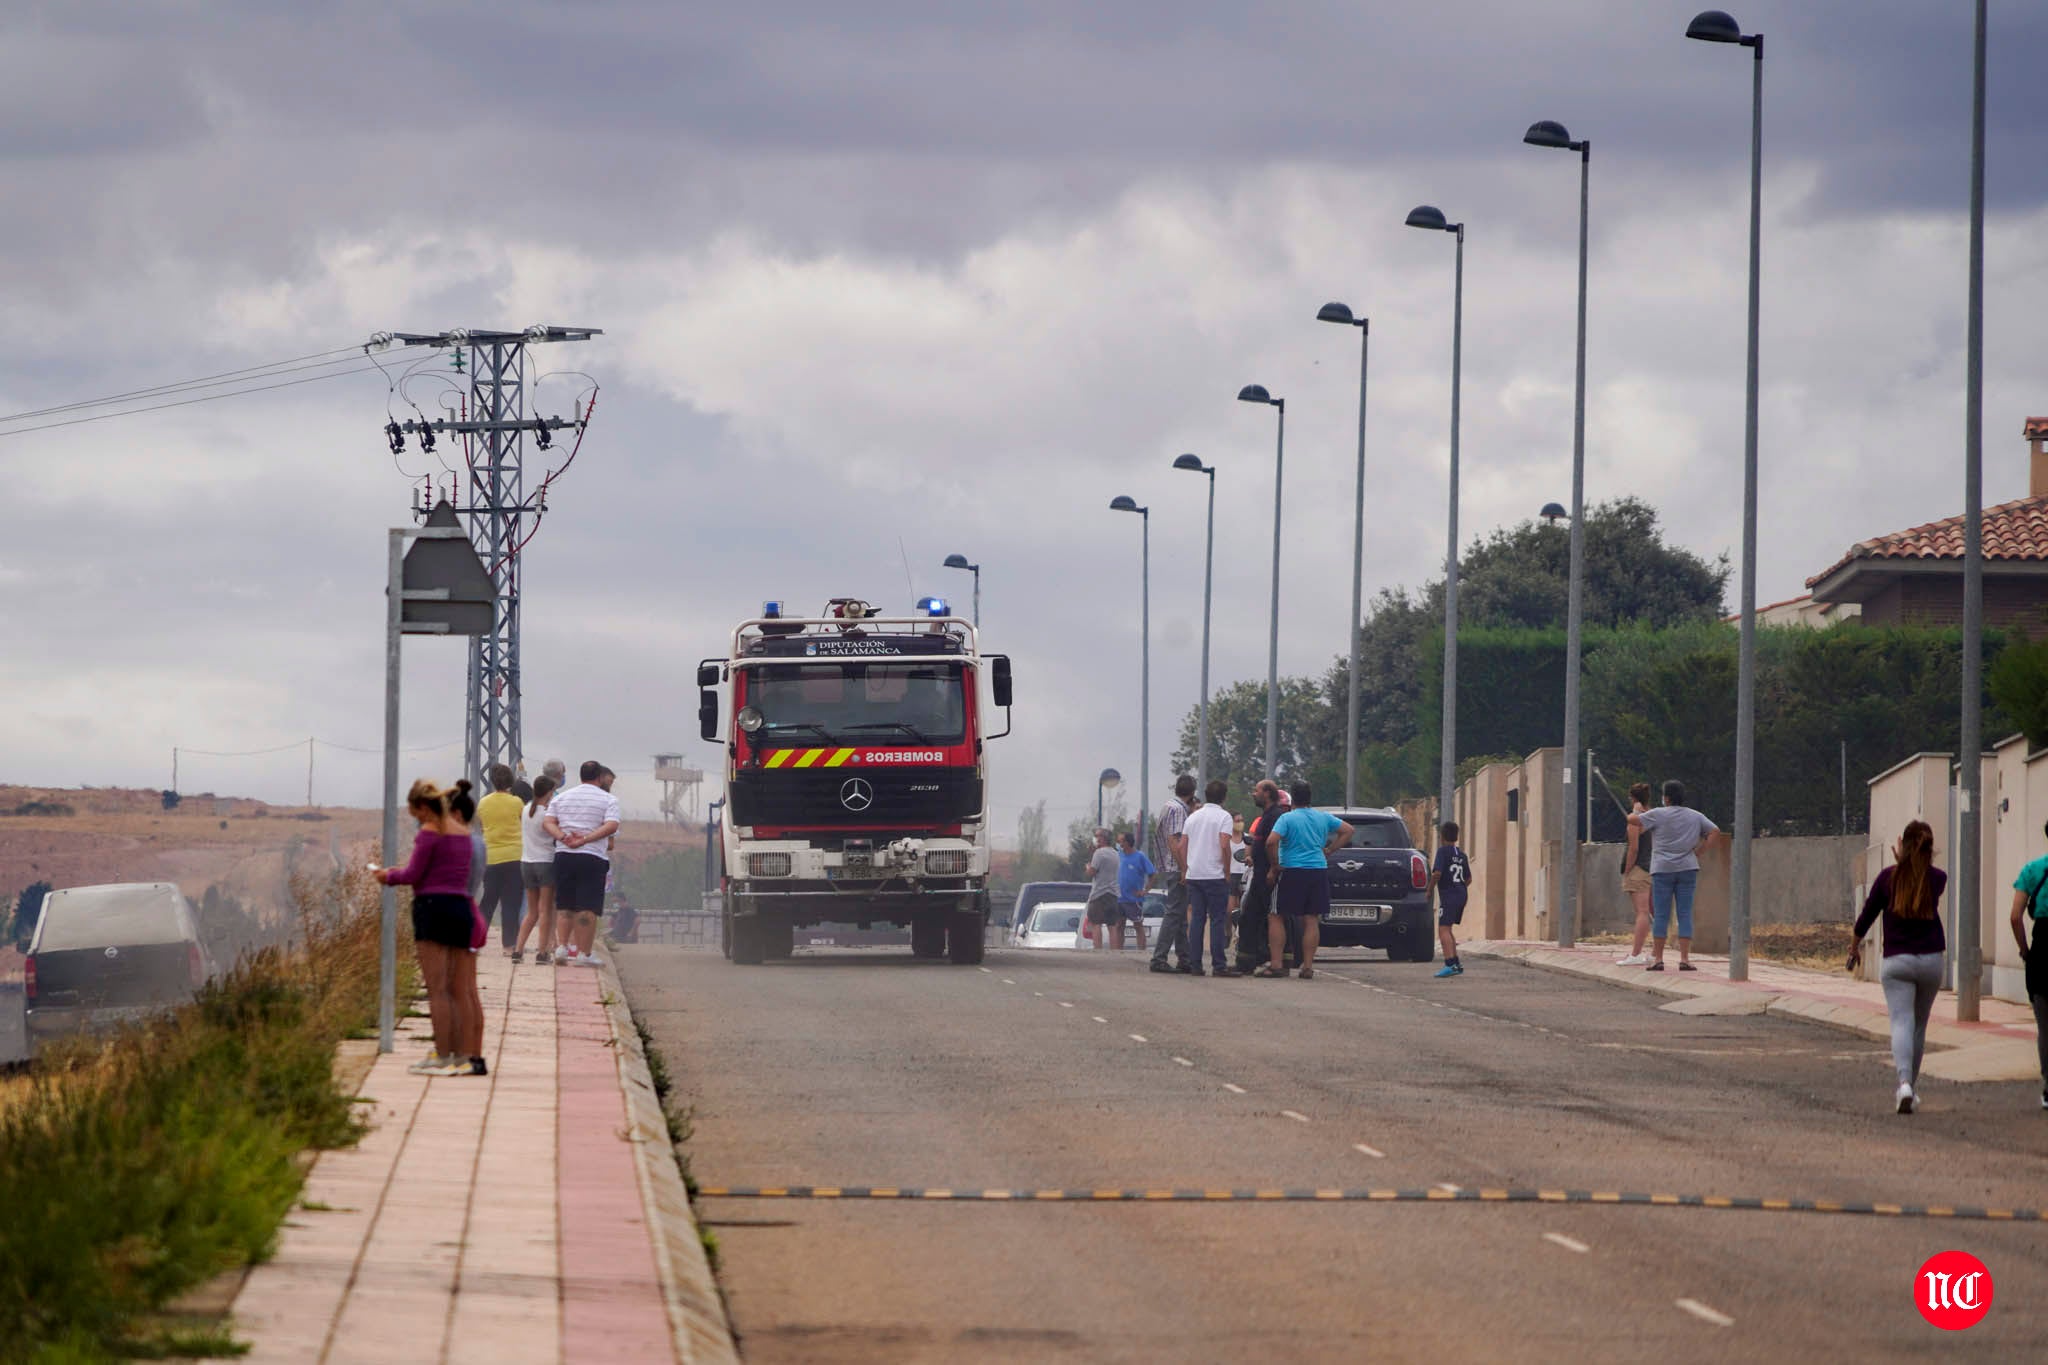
448 426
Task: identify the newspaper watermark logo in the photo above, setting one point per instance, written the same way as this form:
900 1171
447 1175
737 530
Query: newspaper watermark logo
1952 1290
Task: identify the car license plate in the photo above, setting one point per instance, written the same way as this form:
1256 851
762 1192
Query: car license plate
1361 914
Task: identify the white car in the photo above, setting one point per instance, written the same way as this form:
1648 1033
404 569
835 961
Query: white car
1053 924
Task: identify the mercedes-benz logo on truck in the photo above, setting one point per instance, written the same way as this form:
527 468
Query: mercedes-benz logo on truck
856 795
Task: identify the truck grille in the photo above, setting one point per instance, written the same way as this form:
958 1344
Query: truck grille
927 796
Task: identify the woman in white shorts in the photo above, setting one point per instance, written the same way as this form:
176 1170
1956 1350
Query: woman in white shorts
537 871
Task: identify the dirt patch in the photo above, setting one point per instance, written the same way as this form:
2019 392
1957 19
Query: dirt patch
1824 947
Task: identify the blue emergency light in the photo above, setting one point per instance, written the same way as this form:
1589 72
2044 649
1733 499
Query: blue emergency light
934 606
771 611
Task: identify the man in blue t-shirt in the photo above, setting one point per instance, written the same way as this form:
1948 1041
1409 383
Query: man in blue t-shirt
1451 878
1133 874
2030 901
1300 845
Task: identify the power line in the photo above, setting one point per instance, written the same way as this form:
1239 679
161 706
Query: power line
188 402
260 371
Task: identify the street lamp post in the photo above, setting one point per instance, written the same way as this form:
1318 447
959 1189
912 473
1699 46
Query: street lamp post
1430 217
1110 778
1969 949
1125 503
1256 393
1341 313
1194 463
960 562
1549 134
1717 26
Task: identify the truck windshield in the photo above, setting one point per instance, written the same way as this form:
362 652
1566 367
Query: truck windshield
858 701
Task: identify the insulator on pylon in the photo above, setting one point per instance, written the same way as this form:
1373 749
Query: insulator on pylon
396 436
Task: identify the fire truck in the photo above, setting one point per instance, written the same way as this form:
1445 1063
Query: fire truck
856 782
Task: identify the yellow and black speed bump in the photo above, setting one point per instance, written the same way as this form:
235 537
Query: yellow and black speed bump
914 1194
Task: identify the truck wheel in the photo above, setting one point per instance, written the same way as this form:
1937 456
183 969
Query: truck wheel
748 942
965 938
779 939
928 937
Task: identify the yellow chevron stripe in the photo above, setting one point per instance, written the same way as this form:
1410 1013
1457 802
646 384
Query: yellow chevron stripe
839 758
810 757
778 758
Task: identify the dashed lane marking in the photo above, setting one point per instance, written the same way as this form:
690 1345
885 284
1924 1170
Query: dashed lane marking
1066 1004
1182 1061
1099 1019
1369 1151
1008 982
1233 1089
1291 1114
1704 1313
1139 1038
1440 1194
1568 1243
1447 1187
989 970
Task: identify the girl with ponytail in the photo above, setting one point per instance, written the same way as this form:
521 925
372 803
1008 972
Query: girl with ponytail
444 924
1906 894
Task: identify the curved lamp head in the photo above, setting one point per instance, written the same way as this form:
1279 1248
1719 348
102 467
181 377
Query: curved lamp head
959 562
1549 133
1554 513
1334 312
1191 462
1254 393
1110 777
1714 26
1124 502
1429 216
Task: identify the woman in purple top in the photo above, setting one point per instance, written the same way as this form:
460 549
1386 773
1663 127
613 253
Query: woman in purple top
443 927
1906 894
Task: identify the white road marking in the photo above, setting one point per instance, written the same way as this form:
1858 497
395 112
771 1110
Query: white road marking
1447 1185
989 970
1099 1019
1568 1243
1704 1313
1008 982
1369 1151
1290 1114
1066 1004
1233 1089
1139 1038
1183 1061
1039 994
1438 1004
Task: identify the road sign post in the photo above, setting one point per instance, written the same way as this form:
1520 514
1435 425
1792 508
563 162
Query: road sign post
438 586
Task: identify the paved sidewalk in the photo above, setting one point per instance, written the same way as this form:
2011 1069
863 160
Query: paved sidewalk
534 1215
1998 1048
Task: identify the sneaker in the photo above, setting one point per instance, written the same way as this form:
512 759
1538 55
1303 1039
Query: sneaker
1452 969
425 1066
590 960
519 954
542 958
1633 960
1907 1101
1654 967
450 1066
478 1068
1158 966
1226 972
2044 1099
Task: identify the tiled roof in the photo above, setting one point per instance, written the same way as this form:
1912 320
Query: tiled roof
2036 429
2013 531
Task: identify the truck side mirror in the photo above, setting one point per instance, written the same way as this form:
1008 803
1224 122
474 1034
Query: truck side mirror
999 681
707 675
707 714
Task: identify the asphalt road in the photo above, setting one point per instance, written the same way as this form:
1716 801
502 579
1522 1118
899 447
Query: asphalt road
1069 1070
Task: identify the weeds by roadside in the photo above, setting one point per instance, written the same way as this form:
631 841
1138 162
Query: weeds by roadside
138 1165
681 1123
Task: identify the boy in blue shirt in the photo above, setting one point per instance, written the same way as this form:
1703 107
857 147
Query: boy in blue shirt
1134 873
1451 880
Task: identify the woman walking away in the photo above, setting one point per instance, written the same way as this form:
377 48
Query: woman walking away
1635 877
498 818
462 978
1906 893
443 920
1677 833
2029 902
537 872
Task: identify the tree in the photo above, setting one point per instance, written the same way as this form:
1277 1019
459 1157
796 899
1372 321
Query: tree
1035 859
171 799
1518 576
1237 735
2019 682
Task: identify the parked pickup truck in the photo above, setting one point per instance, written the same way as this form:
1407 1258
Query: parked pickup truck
1379 890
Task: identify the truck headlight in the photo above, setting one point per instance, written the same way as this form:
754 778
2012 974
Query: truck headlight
768 864
947 862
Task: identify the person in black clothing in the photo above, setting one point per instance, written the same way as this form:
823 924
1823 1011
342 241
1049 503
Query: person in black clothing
1906 894
1255 912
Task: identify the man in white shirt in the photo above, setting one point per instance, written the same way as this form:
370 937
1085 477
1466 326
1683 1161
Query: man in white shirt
582 821
1209 834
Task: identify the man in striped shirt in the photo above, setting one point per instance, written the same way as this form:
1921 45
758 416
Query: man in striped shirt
583 820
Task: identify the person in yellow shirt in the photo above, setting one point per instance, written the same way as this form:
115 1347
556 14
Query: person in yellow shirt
504 894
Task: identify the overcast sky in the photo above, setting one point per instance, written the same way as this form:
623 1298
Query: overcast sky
889 281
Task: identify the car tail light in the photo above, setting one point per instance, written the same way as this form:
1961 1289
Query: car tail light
946 862
197 963
28 978
1418 871
768 864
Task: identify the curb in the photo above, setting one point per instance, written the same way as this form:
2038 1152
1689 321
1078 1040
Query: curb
696 1309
